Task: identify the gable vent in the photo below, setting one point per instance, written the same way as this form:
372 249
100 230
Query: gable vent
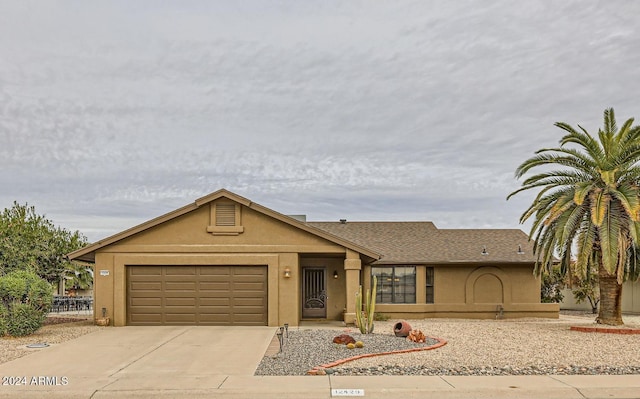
225 214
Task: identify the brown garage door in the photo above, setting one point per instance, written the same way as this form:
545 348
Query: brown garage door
197 295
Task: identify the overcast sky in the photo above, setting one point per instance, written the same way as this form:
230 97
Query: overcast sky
112 113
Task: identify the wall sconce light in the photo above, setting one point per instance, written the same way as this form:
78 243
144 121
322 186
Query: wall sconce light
335 274
287 272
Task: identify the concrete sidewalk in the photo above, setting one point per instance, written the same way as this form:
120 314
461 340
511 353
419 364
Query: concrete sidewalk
205 362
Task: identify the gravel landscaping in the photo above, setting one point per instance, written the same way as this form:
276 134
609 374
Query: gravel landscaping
475 347
56 330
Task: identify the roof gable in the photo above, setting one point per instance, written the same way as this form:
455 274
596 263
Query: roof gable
88 253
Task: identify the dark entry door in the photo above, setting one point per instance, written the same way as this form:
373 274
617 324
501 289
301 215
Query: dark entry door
314 293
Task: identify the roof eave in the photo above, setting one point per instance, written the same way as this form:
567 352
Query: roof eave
87 253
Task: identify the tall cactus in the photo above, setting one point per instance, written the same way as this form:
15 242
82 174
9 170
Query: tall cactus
364 318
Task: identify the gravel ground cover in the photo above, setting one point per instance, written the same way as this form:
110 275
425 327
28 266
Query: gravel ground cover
56 330
306 348
475 347
479 347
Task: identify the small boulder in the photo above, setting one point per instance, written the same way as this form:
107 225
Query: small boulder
344 339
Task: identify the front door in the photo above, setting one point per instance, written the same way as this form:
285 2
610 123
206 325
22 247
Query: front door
314 293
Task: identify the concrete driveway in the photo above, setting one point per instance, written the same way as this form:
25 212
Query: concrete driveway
137 359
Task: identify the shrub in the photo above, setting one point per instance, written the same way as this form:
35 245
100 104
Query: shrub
3 320
25 300
23 319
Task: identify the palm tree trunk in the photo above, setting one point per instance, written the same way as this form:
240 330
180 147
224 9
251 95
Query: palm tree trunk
610 298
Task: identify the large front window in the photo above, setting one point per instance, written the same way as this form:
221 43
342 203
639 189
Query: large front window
396 284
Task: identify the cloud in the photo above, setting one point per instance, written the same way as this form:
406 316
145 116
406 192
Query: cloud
114 113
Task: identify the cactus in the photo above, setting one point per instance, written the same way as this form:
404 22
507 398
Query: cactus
364 318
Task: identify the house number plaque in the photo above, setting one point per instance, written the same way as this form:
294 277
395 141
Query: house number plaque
347 392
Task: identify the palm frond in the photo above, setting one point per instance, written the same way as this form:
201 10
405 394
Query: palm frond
610 127
609 231
599 205
586 239
629 198
582 190
583 139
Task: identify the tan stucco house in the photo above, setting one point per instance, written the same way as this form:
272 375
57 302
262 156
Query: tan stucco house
226 260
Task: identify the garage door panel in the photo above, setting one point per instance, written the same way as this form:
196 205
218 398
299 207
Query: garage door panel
247 319
247 310
146 286
215 271
254 286
180 286
147 271
188 295
217 310
249 270
249 302
180 271
179 318
214 286
155 302
180 301
247 294
221 301
147 319
215 320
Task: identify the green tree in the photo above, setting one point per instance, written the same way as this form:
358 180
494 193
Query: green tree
31 242
590 204
552 285
587 289
79 275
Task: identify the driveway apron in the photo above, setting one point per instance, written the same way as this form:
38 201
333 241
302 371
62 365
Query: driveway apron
138 357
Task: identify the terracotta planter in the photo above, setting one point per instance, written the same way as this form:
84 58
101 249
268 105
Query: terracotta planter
102 321
401 329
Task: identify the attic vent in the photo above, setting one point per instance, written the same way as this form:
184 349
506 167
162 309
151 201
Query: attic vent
225 215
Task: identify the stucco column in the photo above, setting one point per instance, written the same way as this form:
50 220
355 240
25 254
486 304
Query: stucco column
352 267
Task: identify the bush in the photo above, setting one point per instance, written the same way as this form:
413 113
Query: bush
3 320
25 300
23 319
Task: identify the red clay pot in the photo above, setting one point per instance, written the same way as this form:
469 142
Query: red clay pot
401 329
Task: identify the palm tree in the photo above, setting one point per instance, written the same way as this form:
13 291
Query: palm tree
590 205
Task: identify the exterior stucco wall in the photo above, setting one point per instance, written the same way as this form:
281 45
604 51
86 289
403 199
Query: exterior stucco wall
472 291
185 241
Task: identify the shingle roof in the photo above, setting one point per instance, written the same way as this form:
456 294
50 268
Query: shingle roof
423 242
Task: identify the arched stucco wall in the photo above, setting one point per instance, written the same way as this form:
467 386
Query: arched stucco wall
491 279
